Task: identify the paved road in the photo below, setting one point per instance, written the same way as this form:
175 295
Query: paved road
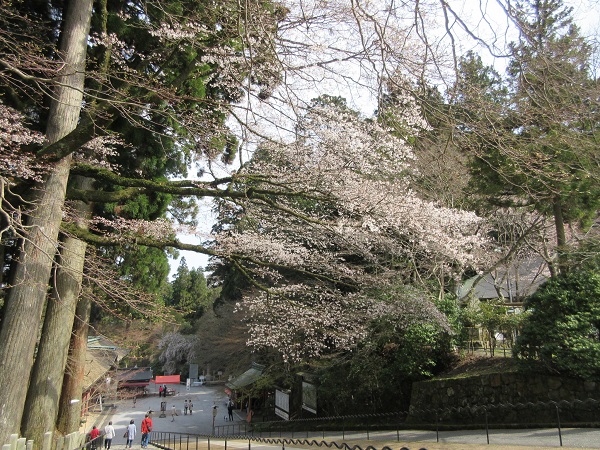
205 397
199 422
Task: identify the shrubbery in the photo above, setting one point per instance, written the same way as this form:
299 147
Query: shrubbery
563 329
400 348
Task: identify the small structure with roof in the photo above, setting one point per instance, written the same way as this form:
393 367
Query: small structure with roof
135 379
512 283
102 359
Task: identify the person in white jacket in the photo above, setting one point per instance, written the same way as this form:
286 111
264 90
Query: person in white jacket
131 431
109 434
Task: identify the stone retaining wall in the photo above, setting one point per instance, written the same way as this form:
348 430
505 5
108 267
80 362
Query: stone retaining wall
507 397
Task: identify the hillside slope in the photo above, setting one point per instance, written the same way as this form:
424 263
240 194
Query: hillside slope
221 343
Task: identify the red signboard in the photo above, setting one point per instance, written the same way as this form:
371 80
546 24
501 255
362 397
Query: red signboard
167 379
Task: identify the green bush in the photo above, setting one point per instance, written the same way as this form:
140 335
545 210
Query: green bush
400 347
562 330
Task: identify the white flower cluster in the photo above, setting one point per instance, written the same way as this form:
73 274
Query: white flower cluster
405 306
98 150
301 326
14 162
310 252
120 228
176 31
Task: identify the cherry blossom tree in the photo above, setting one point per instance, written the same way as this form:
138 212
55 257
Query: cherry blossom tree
176 350
358 223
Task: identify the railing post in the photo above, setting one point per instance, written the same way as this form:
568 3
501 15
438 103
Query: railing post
487 429
558 420
47 440
12 441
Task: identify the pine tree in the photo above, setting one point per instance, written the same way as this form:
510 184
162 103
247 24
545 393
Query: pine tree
536 146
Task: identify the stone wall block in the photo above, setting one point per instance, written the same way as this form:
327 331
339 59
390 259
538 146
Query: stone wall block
506 396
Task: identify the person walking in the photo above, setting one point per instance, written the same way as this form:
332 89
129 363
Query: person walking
146 430
130 433
94 437
109 434
190 406
160 391
230 410
214 414
173 413
185 408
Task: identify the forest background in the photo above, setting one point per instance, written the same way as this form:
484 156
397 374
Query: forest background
340 237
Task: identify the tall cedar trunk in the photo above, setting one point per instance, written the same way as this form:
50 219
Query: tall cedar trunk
66 415
26 298
45 386
69 413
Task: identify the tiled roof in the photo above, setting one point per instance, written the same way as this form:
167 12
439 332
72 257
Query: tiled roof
248 377
99 361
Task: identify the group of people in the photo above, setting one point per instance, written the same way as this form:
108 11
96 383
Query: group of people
162 390
130 433
188 407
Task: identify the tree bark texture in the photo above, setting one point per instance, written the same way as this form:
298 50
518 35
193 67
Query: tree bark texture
26 299
41 407
69 413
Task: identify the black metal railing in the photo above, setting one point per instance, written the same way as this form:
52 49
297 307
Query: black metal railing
313 431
